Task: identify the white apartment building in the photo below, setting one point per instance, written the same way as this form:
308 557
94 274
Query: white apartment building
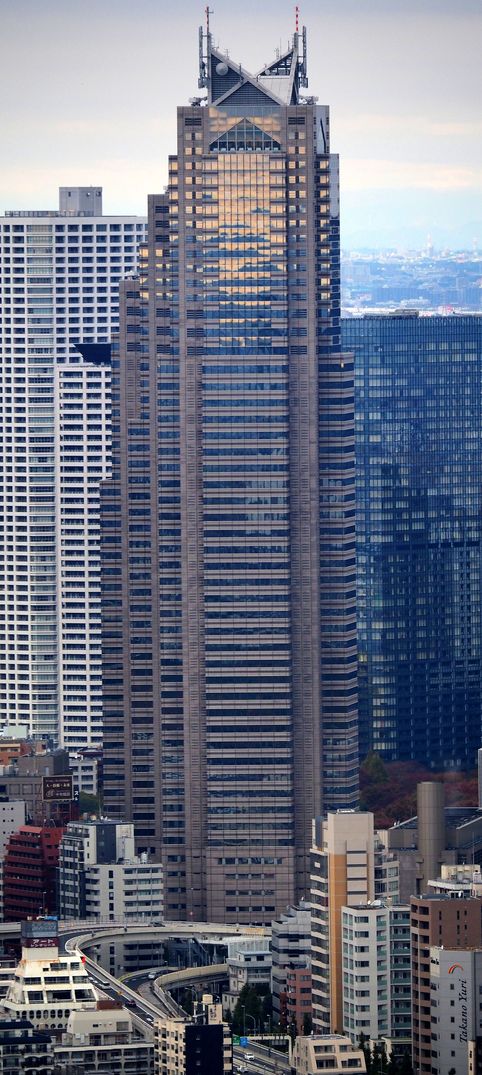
349 866
99 875
59 278
376 973
249 963
82 410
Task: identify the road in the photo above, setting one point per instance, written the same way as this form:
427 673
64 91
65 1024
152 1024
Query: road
265 1060
144 1011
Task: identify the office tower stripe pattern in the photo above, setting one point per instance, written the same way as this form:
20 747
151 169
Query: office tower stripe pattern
228 525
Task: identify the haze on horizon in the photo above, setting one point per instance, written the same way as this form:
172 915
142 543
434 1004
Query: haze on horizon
88 94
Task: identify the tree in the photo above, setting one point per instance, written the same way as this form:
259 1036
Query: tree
88 804
405 1065
392 1066
267 1008
379 1063
247 1009
374 770
365 1047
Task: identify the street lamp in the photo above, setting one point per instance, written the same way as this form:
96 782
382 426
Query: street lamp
246 1016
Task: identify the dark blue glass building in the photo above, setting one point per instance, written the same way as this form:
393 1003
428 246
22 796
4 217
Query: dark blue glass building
419 475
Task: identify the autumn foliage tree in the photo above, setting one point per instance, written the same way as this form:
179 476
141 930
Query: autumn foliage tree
389 789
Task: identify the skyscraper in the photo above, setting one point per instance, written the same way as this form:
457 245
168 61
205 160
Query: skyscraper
59 279
228 526
82 407
419 535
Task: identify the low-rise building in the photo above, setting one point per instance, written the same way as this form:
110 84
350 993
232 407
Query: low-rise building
437 835
290 948
249 963
23 779
333 1053
13 745
24 1049
298 998
101 877
457 879
84 766
103 1040
202 1046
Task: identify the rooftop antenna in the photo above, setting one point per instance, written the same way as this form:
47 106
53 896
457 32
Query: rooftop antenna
297 19
205 55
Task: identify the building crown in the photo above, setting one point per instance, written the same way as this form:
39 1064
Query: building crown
277 83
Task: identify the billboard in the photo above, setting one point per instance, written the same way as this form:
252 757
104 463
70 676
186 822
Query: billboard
57 789
40 933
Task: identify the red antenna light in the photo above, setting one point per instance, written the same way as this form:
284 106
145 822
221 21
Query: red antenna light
297 18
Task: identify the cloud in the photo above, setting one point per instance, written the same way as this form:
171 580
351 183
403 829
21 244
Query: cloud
378 174
414 126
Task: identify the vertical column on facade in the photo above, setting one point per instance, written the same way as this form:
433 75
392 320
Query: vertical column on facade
304 511
191 479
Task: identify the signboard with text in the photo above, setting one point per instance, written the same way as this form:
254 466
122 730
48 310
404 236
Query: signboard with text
57 789
40 933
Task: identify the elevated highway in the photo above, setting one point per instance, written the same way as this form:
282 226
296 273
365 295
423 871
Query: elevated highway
82 935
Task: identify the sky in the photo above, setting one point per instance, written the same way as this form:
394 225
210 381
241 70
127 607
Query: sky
89 89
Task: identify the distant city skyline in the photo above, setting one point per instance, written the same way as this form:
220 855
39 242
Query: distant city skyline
402 80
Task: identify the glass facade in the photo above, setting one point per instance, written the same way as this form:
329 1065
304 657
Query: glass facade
419 486
235 635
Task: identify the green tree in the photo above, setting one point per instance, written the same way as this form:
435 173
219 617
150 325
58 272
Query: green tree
379 1062
392 1066
88 804
267 1008
365 1047
247 1009
374 770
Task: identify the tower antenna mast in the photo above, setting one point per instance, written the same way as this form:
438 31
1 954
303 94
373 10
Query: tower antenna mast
204 56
